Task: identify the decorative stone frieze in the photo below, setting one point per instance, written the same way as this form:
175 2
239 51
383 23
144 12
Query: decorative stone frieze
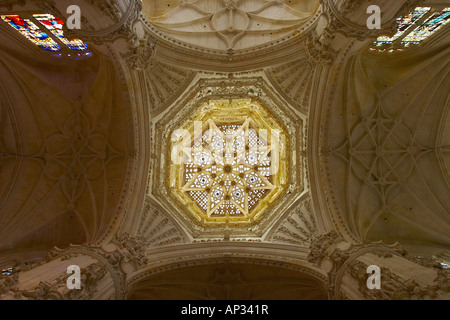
403 276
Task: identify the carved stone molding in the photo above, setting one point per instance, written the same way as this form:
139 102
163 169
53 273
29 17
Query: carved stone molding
349 17
158 228
8 285
9 4
319 51
163 84
295 80
198 260
55 289
339 22
131 249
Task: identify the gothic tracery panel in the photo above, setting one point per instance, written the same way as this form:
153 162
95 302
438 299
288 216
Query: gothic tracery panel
234 174
230 163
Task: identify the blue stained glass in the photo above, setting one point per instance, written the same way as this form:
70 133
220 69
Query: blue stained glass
55 26
428 28
32 32
7 272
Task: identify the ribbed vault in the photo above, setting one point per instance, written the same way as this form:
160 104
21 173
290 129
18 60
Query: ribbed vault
230 281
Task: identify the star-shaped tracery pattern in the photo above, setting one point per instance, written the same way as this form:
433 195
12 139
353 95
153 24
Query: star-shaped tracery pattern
381 151
228 169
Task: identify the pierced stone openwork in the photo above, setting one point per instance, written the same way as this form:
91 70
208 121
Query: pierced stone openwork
228 161
228 170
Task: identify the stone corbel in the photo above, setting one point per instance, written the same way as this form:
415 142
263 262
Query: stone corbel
143 51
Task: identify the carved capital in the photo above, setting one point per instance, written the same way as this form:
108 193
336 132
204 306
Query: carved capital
318 50
320 245
131 249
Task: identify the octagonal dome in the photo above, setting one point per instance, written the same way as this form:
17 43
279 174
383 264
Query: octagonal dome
230 163
228 158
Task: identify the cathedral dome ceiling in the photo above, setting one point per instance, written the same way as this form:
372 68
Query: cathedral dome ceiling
209 103
367 132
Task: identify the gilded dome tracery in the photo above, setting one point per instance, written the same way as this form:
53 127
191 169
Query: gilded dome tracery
238 191
229 167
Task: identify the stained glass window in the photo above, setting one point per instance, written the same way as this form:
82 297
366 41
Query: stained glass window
404 24
432 25
55 26
32 32
228 170
7 272
414 28
34 28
